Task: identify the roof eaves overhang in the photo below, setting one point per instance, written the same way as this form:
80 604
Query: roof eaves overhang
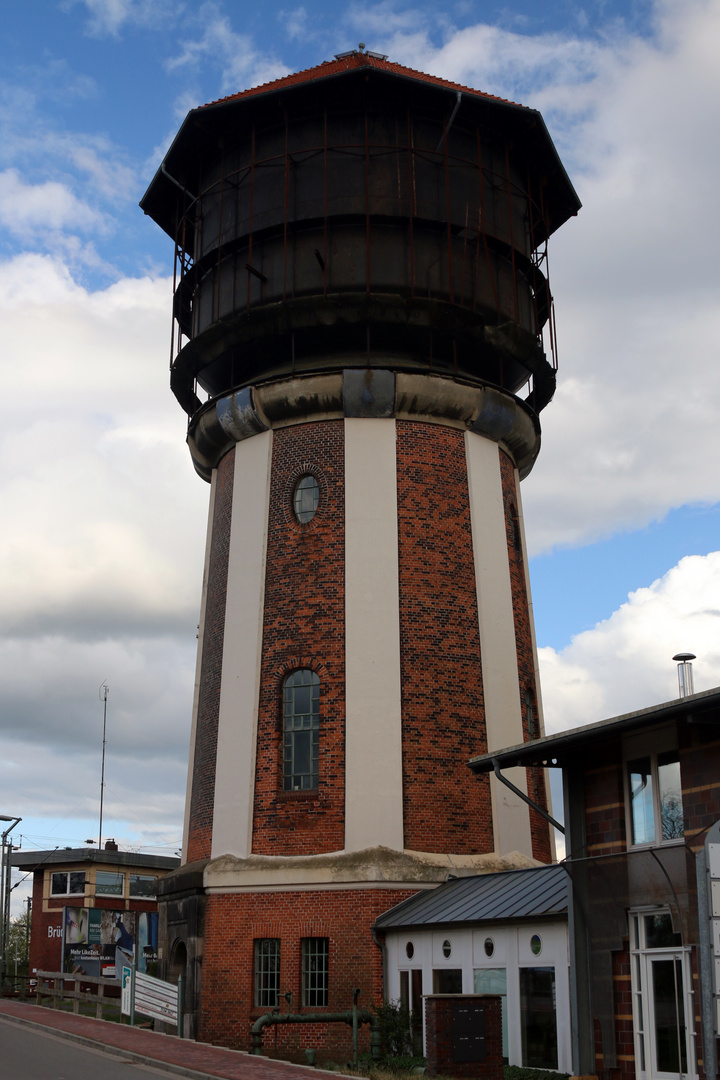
162 184
36 860
553 750
490 920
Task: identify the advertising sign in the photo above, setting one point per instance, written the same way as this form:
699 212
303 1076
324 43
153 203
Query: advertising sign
100 941
126 992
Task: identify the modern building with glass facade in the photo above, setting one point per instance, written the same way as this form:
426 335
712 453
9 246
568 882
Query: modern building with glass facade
642 813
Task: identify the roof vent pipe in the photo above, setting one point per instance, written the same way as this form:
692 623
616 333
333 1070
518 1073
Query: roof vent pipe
685 673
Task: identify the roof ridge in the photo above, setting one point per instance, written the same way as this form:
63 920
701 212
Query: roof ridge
354 61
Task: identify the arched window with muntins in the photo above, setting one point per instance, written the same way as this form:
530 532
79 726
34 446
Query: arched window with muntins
301 730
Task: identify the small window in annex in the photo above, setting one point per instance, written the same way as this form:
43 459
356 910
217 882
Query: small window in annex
143 886
109 884
315 971
67 883
306 496
655 798
301 730
267 972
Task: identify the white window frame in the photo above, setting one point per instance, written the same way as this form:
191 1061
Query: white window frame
641 959
142 877
99 890
67 874
635 748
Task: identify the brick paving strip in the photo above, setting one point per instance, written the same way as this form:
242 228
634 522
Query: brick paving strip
198 1061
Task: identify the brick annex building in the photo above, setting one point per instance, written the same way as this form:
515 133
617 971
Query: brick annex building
642 820
361 316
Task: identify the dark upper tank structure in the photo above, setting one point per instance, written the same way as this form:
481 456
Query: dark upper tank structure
361 215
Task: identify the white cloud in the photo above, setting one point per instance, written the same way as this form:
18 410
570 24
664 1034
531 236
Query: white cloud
109 17
625 662
240 61
93 474
632 431
101 548
294 22
27 208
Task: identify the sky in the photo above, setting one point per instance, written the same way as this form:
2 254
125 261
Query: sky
104 519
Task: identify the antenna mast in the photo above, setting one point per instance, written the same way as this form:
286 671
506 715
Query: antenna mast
103 693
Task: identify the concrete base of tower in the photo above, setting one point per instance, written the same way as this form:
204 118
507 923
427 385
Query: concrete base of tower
376 867
246 933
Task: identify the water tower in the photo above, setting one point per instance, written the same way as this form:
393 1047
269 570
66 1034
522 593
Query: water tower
363 339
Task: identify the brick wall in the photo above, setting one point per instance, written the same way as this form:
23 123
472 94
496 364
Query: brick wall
539 828
202 798
45 950
442 696
234 922
622 1002
303 627
700 781
439 1036
605 802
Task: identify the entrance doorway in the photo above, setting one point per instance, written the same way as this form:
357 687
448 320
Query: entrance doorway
662 999
411 1000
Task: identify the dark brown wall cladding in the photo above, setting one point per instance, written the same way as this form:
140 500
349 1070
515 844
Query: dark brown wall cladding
539 828
202 798
304 627
443 715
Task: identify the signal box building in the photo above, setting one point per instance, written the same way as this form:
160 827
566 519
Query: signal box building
363 340
120 885
642 813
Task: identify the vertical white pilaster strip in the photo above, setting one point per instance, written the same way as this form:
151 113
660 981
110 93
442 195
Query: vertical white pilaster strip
373 736
198 664
501 691
242 649
536 665
526 567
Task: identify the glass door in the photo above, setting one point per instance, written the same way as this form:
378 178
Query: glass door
670 1050
662 999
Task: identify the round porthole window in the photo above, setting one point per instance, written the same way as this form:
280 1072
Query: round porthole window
536 944
409 950
306 497
489 945
446 948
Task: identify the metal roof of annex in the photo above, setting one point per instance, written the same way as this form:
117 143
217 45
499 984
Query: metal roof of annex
510 895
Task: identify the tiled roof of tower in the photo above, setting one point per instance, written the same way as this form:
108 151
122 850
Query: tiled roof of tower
347 63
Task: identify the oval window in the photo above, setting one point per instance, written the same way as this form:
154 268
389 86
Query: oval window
489 946
306 497
536 944
446 948
409 950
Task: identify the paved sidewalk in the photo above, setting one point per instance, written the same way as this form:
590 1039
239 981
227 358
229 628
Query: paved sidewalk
181 1056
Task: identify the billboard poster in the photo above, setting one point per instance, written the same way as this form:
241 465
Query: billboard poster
100 941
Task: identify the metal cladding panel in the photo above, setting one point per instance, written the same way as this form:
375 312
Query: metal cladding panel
518 894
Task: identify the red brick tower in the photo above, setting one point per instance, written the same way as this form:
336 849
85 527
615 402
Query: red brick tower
361 294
